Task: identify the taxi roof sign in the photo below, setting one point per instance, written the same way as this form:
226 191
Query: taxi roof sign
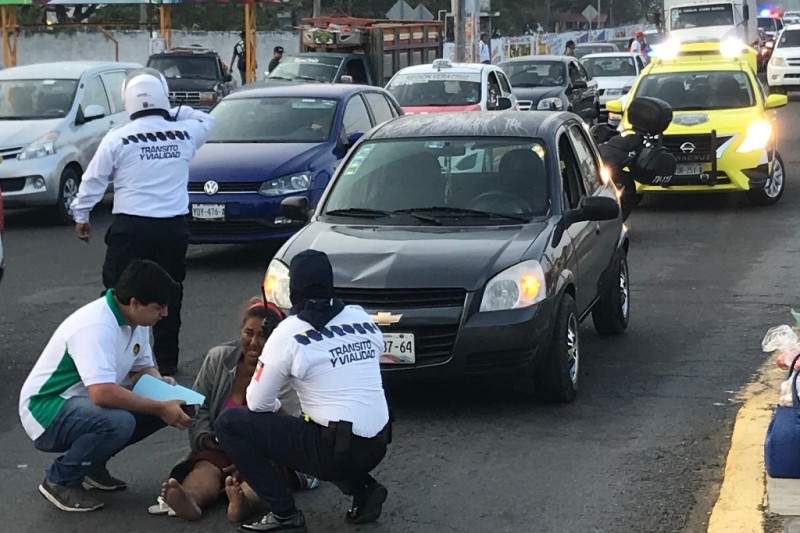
442 63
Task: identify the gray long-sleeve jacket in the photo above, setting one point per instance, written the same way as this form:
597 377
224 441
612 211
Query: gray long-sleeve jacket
215 381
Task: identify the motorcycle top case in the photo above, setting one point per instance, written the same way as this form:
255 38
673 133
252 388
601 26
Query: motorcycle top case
649 115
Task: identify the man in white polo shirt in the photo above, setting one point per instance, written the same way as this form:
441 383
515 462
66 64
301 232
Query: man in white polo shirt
149 160
330 353
72 402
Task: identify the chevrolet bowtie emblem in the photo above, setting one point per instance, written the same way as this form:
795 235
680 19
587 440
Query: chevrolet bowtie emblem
385 319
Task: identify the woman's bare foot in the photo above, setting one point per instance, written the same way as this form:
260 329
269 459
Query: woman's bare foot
239 507
180 502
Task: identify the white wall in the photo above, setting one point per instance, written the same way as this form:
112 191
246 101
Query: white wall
76 44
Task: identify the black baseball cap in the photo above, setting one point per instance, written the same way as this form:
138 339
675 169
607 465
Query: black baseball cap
278 50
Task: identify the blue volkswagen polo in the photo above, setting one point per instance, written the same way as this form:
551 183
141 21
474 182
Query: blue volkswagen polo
274 142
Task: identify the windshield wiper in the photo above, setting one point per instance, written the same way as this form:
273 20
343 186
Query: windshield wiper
279 78
306 78
362 212
455 211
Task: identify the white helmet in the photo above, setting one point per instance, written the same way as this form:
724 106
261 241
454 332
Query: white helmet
145 90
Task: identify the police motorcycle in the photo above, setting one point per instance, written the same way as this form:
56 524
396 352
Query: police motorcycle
638 153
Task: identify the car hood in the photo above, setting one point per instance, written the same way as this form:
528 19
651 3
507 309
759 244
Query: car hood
415 257
723 121
189 84
416 110
706 33
537 93
614 82
14 133
253 161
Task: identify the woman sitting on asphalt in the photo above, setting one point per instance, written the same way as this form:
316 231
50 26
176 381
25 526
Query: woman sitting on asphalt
198 480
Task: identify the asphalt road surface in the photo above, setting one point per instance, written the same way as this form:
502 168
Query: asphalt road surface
641 450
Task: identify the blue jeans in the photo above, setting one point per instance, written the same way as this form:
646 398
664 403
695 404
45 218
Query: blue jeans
88 436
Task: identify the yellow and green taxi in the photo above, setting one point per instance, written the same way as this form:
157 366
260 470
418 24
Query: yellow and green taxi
723 133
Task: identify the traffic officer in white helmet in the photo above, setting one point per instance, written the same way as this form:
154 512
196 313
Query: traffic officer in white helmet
148 159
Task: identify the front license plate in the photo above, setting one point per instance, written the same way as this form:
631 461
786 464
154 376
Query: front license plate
208 211
689 170
398 349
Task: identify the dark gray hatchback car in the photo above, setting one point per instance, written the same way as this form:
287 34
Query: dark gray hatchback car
477 242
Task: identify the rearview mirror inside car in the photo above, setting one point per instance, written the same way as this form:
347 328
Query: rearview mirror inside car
776 100
296 208
595 208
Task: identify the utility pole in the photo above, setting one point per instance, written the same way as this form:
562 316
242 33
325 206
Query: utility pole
317 9
459 8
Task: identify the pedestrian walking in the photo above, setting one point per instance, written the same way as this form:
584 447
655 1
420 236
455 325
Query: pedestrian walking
148 159
72 402
277 55
239 59
331 355
570 48
485 50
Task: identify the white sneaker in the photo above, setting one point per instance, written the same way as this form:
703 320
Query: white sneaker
161 508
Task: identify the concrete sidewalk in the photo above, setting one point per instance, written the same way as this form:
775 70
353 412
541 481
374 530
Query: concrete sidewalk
783 499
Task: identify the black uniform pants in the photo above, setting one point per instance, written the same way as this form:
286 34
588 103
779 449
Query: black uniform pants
163 241
249 438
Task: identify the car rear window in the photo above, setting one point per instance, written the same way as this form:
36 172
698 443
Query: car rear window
700 90
186 66
429 89
599 67
273 120
506 176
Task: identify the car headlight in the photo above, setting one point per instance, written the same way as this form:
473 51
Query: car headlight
208 98
757 137
286 184
550 104
614 92
43 146
779 62
732 48
517 287
276 284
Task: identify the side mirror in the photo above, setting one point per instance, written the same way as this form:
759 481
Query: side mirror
296 208
595 208
746 12
227 78
579 84
614 106
503 103
776 100
591 114
92 112
346 79
353 138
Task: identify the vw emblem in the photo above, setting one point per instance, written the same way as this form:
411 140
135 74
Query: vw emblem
686 148
212 187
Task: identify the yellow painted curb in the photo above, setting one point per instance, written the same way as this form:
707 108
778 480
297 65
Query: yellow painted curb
739 508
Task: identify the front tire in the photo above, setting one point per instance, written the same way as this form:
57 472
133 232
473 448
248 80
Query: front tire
558 377
770 194
67 191
611 313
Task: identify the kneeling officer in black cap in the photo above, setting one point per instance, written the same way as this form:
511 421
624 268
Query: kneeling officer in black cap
330 353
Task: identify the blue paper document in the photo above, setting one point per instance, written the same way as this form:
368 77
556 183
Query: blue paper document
155 389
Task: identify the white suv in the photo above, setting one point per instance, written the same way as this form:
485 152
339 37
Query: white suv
52 118
783 69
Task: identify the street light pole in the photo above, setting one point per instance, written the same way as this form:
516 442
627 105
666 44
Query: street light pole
459 8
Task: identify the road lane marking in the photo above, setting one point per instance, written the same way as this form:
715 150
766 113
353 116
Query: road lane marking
742 496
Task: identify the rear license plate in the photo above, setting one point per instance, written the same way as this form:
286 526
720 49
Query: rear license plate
208 211
689 170
398 349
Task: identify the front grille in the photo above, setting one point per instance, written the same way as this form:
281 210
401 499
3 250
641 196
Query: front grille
12 185
677 181
702 152
525 105
794 62
184 97
505 361
227 186
232 228
433 344
403 298
6 153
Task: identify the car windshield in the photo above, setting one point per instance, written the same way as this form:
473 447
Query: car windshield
585 50
444 181
321 69
36 99
273 120
701 16
535 73
700 90
436 89
186 66
599 67
766 23
789 39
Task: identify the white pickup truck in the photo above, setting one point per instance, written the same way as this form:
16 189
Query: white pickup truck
708 20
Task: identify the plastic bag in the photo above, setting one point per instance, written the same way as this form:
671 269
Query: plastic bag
780 339
785 399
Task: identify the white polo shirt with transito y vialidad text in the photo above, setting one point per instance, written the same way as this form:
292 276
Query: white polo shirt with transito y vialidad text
93 345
